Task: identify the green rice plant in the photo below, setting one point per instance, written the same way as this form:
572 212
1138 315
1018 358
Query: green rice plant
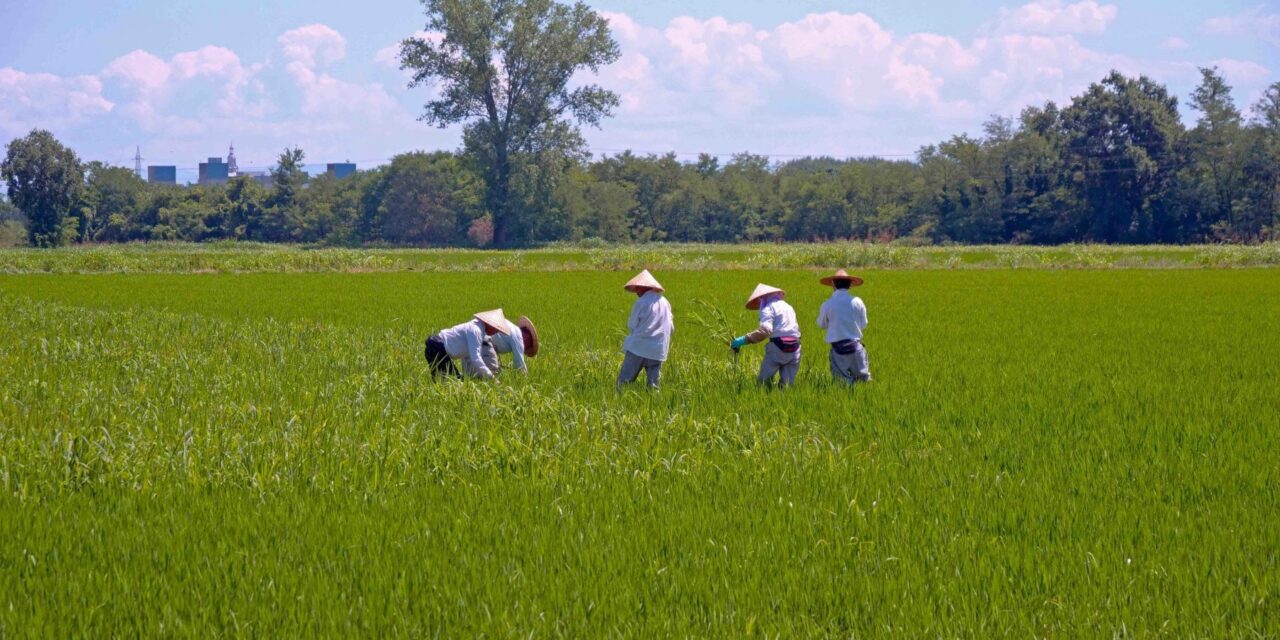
1045 452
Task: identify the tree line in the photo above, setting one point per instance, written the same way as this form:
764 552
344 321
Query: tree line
1115 165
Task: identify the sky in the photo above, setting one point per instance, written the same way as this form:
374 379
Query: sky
184 80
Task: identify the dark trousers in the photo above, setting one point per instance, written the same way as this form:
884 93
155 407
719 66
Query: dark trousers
438 359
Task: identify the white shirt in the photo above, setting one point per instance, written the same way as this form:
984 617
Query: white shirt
651 327
464 341
512 344
843 316
778 320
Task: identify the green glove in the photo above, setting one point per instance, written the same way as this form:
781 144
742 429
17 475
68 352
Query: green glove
738 343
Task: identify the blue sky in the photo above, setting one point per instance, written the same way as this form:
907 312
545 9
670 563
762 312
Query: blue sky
182 80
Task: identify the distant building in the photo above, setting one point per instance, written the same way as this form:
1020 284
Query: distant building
162 174
341 169
215 171
261 177
232 168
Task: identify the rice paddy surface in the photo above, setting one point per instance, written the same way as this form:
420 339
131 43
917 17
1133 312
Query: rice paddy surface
1042 453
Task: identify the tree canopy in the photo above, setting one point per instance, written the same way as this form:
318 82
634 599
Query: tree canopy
43 178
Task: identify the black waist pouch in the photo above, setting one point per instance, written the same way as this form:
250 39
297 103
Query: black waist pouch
845 347
788 344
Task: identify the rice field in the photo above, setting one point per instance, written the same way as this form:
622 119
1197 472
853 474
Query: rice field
1044 452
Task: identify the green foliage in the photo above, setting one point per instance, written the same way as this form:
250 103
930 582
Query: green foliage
214 455
423 199
13 228
43 179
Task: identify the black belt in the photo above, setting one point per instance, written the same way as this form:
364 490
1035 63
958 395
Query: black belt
845 347
788 344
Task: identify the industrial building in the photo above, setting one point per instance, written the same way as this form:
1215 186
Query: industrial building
215 171
341 169
162 174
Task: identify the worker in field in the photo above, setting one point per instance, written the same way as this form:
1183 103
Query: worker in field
466 342
844 316
650 327
521 341
777 325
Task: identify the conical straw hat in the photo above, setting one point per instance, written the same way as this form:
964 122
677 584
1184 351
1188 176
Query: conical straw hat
529 334
495 319
644 280
854 281
761 291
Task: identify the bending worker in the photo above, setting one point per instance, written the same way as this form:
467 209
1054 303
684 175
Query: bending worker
465 342
777 325
844 316
521 341
650 327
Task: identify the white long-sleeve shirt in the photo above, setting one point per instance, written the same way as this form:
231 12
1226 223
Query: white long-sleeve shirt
651 327
512 344
778 320
843 316
463 341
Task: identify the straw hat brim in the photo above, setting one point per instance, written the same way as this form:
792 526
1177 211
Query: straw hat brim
643 280
760 292
494 319
854 281
529 334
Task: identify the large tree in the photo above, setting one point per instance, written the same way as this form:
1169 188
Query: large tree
43 178
1214 148
1122 134
505 68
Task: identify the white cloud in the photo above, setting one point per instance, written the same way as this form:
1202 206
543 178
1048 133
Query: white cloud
1174 43
312 45
1254 23
31 100
1055 17
826 36
143 70
213 72
1241 72
291 97
852 63
306 51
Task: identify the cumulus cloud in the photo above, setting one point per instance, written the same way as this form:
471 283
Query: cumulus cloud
1174 43
31 100
291 96
312 45
307 50
852 62
1056 17
154 83
1254 23
1241 72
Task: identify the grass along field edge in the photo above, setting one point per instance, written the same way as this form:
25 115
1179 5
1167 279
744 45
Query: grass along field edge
230 257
